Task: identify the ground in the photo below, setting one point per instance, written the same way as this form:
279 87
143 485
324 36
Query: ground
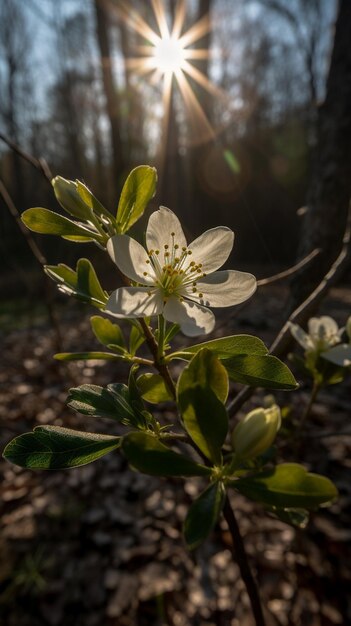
101 545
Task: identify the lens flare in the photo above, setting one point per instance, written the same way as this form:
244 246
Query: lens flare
169 55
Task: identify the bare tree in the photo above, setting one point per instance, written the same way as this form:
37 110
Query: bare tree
330 187
112 104
14 49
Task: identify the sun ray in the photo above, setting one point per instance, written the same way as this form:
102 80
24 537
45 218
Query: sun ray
160 15
200 29
195 110
136 22
179 19
202 80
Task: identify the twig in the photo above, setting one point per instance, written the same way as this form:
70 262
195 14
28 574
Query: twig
291 270
241 558
161 367
39 164
25 232
38 255
299 316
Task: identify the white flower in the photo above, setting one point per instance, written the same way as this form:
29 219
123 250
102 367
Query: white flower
176 279
323 333
323 339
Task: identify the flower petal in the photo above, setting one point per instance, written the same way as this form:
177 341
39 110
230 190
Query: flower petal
212 248
339 355
130 258
158 233
301 337
323 327
193 319
134 302
224 288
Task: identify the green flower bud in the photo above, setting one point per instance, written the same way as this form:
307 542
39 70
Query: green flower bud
348 328
68 197
256 432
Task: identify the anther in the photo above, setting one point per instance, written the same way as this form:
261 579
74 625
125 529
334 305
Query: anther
172 234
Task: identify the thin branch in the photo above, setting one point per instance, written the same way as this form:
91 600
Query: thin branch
291 270
39 164
25 232
240 556
39 256
300 315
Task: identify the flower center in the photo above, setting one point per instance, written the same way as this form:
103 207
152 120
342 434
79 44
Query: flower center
175 269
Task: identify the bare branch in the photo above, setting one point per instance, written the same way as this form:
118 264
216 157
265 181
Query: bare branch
300 315
39 164
25 232
291 270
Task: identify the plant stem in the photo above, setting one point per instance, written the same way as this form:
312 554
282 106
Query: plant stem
307 411
240 556
160 366
161 336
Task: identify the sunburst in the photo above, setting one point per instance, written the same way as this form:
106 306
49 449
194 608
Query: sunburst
167 59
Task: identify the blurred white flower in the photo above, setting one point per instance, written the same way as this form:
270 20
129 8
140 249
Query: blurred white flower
174 278
324 339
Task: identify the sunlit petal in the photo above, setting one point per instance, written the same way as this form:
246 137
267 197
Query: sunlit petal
130 258
193 319
161 224
301 337
134 302
212 248
223 289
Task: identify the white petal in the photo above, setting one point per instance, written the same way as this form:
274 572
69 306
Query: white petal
130 258
134 302
339 355
323 326
212 248
158 233
301 337
193 319
224 288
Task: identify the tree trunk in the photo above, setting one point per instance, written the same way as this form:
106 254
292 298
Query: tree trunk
330 188
109 88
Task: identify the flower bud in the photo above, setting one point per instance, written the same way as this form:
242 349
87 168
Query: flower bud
256 432
68 197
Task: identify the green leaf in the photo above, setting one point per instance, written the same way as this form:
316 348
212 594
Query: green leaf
205 370
202 388
153 389
88 197
49 223
294 517
86 356
226 347
53 447
82 284
288 486
148 455
205 420
133 408
112 402
136 338
106 331
137 191
203 515
260 371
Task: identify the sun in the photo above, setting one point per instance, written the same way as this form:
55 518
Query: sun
169 55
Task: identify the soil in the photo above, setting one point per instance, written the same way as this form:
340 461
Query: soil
101 545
